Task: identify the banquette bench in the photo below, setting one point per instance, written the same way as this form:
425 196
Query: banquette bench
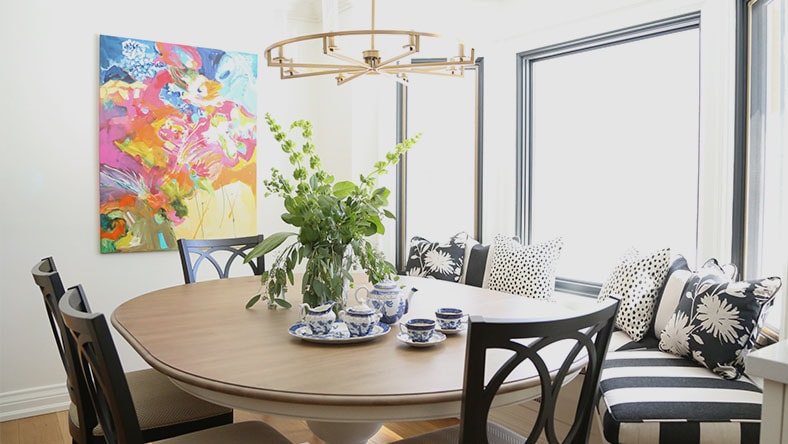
650 395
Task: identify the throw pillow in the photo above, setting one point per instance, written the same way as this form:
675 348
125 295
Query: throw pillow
637 280
469 244
717 321
437 260
527 270
679 274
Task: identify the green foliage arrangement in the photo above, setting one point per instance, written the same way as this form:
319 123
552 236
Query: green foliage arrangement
334 220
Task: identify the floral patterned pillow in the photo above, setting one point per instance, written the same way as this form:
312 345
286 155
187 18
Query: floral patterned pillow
717 321
437 260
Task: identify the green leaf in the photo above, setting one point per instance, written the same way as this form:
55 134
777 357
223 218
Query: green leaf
267 245
389 214
319 289
344 188
292 219
253 301
282 302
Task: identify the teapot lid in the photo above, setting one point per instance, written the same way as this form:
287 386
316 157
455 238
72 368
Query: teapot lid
386 284
360 310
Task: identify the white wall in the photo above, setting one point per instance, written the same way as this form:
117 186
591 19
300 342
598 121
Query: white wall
49 124
49 90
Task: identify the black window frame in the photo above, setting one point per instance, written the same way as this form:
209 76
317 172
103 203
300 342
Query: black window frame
402 168
524 146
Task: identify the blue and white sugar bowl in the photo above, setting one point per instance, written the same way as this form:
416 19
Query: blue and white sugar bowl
360 320
387 298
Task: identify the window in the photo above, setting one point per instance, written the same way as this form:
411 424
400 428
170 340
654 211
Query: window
766 247
608 150
440 178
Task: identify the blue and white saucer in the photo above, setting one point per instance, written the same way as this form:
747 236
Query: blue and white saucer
452 331
338 335
436 338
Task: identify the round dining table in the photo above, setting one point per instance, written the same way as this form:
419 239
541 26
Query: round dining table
204 339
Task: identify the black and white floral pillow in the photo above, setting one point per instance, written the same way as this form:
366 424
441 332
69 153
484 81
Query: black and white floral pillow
679 275
437 260
636 281
527 270
717 321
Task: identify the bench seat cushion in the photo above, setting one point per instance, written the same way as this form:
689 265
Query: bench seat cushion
650 396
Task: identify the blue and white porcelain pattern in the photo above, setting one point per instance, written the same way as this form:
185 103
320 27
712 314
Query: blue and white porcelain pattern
436 338
449 318
419 329
338 334
318 319
360 320
387 298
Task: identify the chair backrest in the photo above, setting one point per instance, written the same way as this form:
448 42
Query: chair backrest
46 276
101 369
535 341
206 249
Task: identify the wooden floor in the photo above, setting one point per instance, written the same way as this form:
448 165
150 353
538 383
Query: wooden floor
53 428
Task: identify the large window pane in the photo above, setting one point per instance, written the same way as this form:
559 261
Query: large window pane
614 150
441 180
767 196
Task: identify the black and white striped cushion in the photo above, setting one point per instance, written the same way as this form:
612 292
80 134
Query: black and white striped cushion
649 396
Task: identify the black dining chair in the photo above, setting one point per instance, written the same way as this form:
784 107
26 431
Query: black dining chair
164 409
194 251
534 341
108 388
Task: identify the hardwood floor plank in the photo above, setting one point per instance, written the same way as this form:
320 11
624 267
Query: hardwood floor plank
53 428
9 432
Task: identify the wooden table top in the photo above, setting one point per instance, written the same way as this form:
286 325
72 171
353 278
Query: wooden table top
203 338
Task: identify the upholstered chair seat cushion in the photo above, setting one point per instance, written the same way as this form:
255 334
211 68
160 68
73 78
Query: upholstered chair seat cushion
162 407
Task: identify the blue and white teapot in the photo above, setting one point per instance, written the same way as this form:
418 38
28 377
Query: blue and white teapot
387 298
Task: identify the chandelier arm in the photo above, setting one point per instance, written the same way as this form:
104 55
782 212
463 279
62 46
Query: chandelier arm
422 66
341 80
295 75
346 33
395 58
340 56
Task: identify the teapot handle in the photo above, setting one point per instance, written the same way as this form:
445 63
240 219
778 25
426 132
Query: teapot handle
364 301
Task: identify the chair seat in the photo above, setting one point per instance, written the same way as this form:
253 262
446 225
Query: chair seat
163 409
496 433
256 432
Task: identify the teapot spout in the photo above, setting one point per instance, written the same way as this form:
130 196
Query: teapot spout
410 295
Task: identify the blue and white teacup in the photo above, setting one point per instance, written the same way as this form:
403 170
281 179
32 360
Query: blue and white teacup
419 330
449 318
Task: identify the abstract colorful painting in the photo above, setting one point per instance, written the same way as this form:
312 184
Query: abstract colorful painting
177 140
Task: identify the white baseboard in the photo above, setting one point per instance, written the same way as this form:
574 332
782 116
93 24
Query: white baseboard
33 402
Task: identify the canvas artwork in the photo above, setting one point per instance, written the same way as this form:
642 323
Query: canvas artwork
177 142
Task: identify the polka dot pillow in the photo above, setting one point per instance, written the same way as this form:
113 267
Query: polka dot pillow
527 270
636 281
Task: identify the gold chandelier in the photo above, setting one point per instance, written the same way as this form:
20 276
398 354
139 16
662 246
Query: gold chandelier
372 60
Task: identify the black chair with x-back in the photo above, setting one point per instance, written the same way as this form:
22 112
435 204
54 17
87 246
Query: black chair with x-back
109 392
220 253
582 337
165 410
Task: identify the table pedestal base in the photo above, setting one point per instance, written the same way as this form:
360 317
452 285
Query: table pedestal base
344 432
